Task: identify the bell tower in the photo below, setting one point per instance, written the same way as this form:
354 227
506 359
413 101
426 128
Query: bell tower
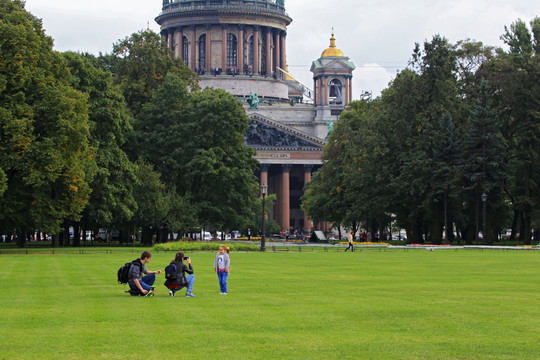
332 84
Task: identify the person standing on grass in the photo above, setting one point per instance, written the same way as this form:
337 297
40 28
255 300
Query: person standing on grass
181 280
222 266
139 278
351 242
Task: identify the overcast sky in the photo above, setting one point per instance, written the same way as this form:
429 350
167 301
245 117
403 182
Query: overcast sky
378 36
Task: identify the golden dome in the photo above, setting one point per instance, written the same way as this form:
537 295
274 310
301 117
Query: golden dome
332 50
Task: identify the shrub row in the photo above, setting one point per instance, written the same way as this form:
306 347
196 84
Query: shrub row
203 246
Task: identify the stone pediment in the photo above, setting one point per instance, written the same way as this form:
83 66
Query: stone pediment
333 64
264 133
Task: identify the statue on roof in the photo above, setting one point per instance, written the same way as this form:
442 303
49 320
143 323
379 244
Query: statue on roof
253 101
330 125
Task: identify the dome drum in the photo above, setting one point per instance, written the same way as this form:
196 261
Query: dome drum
205 7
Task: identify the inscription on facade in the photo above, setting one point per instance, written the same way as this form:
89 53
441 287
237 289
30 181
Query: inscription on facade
274 156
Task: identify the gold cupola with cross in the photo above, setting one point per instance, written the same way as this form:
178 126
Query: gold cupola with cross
332 84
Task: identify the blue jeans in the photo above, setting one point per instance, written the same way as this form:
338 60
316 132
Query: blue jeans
190 280
222 276
146 282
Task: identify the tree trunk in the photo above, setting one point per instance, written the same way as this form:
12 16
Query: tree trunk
21 238
436 227
526 229
66 235
76 235
55 240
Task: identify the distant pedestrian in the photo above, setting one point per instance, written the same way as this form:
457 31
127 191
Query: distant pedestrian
222 266
249 234
351 242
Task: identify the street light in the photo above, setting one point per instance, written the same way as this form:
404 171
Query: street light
264 189
484 232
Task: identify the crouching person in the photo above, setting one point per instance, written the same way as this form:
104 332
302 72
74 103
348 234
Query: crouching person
140 279
175 275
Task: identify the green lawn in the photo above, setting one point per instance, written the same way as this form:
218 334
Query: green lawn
444 304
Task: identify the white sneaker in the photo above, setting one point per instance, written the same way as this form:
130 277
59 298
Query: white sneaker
171 293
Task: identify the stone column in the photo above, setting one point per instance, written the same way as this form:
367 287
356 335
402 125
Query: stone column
179 43
277 205
346 95
326 95
256 30
224 47
193 48
283 59
315 100
170 39
307 179
264 173
241 48
163 34
268 51
208 52
285 207
350 90
321 91
277 45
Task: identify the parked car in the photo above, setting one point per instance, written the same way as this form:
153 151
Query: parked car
105 235
399 237
235 234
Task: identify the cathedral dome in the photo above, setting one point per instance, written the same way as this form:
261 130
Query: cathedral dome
332 51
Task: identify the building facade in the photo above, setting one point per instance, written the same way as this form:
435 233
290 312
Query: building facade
240 46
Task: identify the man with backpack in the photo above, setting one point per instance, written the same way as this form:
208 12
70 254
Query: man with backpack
139 278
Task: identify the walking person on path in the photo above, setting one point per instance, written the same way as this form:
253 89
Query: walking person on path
351 242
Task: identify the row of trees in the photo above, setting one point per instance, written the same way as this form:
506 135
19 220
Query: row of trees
460 121
125 140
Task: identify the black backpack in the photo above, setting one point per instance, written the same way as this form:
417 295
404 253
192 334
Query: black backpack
171 272
123 272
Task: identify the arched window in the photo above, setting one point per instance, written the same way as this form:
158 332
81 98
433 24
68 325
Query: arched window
232 51
335 92
185 50
202 52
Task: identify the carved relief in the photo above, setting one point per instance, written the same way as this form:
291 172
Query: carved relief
263 135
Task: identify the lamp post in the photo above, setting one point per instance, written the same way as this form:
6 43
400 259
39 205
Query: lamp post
484 217
264 189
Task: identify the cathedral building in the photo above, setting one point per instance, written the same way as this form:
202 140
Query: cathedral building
240 46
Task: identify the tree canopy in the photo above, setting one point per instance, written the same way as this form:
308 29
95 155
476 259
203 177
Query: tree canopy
44 149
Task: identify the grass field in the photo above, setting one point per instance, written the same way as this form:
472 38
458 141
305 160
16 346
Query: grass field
445 304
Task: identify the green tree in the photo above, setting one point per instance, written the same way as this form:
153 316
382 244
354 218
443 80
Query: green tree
196 140
484 161
220 171
140 63
44 149
152 200
111 203
447 161
519 69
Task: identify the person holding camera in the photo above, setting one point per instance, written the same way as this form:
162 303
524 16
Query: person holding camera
176 278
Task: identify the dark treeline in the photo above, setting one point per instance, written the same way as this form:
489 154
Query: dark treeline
461 121
123 141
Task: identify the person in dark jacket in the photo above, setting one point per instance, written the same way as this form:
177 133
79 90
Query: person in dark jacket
181 280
